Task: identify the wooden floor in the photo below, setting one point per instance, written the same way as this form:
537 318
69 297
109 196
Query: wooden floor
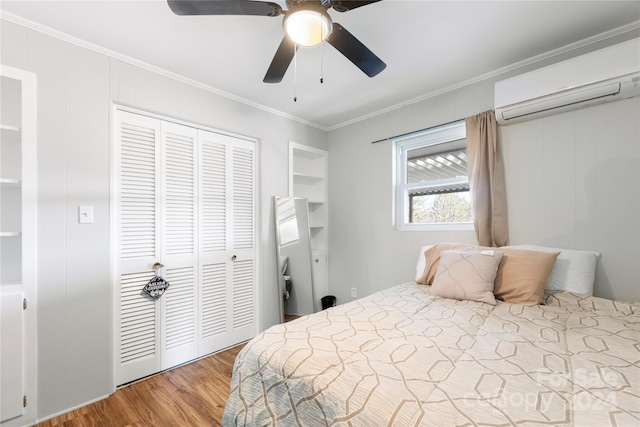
290 317
191 395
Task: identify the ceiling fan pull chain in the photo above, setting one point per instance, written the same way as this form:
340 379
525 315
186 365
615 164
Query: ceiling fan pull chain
322 63
323 38
295 72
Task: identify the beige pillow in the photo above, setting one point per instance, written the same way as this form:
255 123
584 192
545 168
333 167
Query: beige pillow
521 278
422 262
432 256
467 275
523 275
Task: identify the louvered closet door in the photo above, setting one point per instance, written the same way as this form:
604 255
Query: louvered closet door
242 242
179 304
227 245
157 222
137 161
186 199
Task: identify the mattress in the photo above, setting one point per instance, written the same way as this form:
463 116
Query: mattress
402 357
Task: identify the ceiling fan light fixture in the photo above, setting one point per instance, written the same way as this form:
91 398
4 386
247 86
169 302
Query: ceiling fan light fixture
307 27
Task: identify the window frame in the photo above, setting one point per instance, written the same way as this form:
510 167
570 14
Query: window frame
402 145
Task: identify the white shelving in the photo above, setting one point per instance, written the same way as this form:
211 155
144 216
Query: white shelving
11 287
9 128
308 179
11 182
18 246
10 233
301 178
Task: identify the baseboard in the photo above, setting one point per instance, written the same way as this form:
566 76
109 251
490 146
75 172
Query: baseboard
82 405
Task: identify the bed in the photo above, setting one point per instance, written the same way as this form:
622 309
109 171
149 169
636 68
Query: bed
404 356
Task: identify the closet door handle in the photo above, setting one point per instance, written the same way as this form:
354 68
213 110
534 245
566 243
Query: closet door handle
233 258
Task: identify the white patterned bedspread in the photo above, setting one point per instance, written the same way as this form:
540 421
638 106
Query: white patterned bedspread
402 357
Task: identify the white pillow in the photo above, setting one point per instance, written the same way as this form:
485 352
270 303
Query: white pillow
574 270
422 262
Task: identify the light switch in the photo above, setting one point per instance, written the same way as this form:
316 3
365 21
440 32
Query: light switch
85 214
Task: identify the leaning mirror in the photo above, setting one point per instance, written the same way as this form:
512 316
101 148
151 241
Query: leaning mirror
293 256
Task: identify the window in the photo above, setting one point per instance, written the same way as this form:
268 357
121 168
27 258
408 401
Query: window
432 185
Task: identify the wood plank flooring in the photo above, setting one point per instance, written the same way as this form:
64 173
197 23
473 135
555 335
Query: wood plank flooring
290 317
190 395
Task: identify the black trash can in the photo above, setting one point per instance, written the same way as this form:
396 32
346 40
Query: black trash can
328 301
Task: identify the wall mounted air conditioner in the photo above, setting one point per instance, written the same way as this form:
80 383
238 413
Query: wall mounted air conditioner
601 76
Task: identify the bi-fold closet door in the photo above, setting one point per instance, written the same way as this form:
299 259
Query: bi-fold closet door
186 199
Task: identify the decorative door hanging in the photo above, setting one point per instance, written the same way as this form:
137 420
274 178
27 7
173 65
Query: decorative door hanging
157 285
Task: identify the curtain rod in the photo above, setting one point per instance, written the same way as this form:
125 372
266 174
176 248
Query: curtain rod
415 131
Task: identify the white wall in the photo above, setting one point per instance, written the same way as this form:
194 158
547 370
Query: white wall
365 249
563 175
76 87
572 182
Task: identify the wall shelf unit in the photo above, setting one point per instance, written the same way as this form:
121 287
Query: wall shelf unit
301 178
308 179
18 247
10 234
9 128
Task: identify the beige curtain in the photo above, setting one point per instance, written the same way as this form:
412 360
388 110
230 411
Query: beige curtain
486 179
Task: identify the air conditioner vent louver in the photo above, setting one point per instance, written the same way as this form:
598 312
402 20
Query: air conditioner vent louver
601 76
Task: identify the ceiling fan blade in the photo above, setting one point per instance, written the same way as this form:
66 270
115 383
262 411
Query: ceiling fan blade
281 61
347 5
355 51
224 7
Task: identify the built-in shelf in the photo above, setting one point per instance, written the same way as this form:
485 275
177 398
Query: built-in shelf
306 179
10 234
308 153
9 128
18 221
5 182
6 285
7 288
10 134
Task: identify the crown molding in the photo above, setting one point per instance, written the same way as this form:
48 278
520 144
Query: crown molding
161 71
10 17
524 63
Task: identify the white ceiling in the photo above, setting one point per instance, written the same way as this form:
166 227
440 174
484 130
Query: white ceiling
427 45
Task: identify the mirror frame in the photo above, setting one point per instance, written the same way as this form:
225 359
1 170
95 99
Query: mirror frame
302 234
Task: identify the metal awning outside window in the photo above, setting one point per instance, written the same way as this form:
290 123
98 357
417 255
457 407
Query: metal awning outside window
456 187
440 172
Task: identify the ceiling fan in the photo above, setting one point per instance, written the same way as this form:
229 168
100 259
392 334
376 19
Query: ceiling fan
306 23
